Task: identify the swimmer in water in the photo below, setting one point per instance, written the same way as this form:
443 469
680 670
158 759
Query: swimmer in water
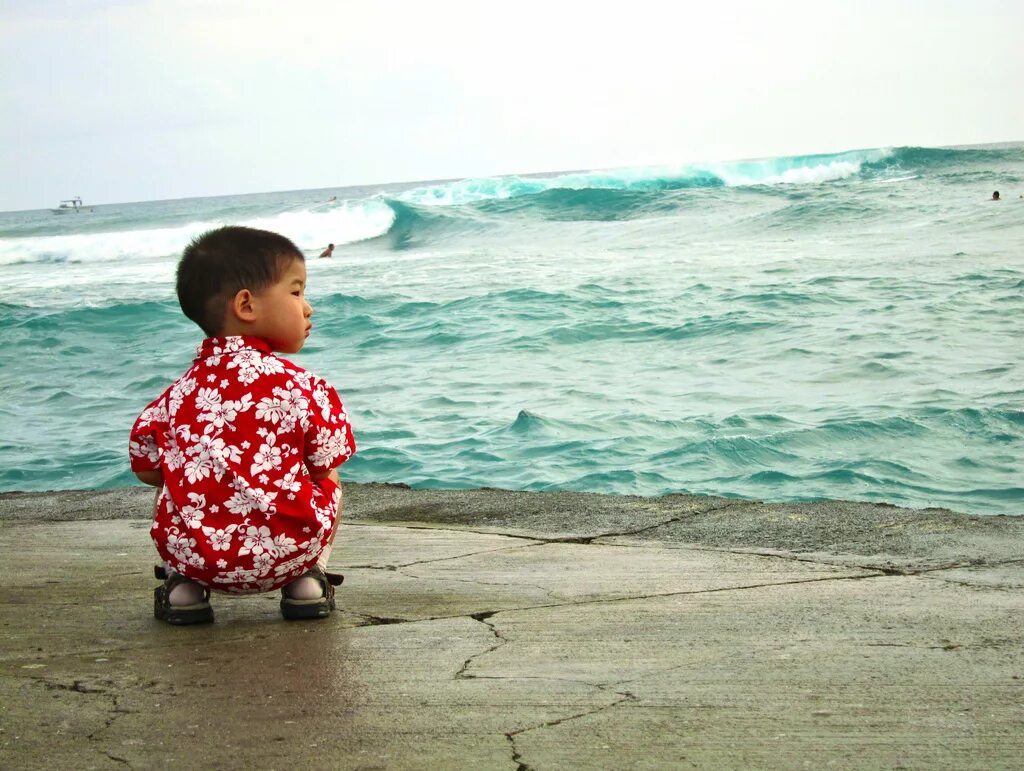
328 251
995 195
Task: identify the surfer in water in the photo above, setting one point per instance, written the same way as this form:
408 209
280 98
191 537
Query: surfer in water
995 196
330 249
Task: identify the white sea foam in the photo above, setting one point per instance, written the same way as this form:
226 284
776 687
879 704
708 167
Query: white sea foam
347 223
822 172
472 190
99 247
786 170
813 169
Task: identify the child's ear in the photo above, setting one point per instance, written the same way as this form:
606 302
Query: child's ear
242 306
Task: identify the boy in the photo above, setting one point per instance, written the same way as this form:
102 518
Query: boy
244 447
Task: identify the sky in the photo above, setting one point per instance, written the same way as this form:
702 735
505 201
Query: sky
160 99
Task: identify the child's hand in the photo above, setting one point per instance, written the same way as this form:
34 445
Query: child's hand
154 478
316 476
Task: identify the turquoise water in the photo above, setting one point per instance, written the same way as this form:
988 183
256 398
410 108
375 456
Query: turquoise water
834 326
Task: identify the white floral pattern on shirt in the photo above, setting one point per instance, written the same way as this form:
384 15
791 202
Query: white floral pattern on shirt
236 438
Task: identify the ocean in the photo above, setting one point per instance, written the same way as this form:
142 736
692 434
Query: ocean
843 326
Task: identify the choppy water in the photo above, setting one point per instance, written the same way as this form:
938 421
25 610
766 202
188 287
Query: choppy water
842 326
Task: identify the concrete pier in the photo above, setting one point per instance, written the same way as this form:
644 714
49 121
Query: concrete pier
488 629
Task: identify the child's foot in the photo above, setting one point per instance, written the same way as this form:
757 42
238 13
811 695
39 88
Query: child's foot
310 595
179 601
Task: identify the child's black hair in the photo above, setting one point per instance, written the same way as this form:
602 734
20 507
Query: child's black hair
220 262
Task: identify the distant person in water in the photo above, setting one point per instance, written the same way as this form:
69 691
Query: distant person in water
995 195
330 247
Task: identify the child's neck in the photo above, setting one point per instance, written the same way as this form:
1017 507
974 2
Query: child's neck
235 328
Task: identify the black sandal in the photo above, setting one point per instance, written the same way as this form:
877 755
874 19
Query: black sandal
178 615
321 607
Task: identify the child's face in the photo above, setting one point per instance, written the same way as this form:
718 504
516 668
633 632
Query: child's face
282 313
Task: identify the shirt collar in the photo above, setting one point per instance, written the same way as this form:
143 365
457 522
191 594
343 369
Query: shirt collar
217 346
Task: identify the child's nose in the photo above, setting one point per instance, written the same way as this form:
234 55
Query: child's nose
309 310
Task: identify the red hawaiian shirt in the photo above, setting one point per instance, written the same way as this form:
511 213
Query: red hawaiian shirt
236 438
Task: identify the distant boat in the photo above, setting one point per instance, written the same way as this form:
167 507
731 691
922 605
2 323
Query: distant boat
71 204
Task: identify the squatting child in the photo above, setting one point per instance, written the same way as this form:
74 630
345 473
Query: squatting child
244 447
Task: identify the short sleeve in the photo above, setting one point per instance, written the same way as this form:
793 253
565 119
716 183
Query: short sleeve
328 436
143 447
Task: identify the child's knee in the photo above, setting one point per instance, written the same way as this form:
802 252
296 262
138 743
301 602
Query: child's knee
186 593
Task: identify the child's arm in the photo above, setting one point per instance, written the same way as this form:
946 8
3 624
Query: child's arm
327 440
318 475
143 449
154 478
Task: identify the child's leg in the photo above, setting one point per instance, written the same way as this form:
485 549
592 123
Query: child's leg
306 588
325 555
187 592
308 597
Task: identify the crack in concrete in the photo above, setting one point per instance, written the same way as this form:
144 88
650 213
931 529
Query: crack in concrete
793 557
580 539
873 570
78 686
482 617
540 540
549 592
510 736
116 710
946 647
669 521
589 539
517 756
439 559
976 585
384 620
117 759
440 528
923 571
537 540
